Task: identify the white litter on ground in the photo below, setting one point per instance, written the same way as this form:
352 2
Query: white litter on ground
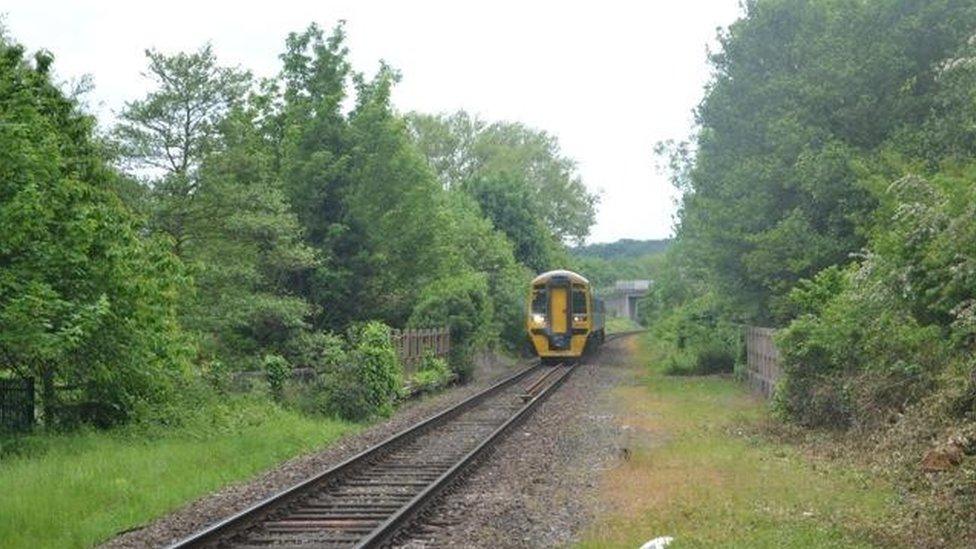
658 543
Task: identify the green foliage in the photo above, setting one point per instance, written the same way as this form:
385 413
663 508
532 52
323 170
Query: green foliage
603 273
487 250
623 248
276 371
829 191
219 200
688 319
85 300
617 324
373 352
789 215
461 148
368 383
81 489
177 124
878 336
217 375
803 93
701 343
625 259
249 220
509 203
320 351
712 357
433 373
462 304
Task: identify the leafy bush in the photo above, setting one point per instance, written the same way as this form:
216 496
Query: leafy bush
368 382
713 358
697 341
217 375
508 289
487 250
433 373
276 371
320 351
462 304
875 337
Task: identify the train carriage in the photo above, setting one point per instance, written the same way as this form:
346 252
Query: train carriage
563 317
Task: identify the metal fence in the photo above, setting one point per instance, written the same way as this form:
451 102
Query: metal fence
413 344
16 404
762 359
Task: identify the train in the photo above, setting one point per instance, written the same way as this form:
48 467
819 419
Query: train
564 319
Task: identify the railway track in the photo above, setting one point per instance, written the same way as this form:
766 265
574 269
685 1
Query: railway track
366 500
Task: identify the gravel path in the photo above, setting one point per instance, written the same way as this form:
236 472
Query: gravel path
234 498
538 487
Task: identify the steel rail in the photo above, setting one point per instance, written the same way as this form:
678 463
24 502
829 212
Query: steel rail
386 531
257 511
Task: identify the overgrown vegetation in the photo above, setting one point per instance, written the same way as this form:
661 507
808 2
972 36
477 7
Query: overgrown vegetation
229 224
231 236
828 192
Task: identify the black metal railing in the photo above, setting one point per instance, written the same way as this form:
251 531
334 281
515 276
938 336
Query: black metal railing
16 404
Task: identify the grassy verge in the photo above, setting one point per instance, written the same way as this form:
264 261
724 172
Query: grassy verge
76 490
695 474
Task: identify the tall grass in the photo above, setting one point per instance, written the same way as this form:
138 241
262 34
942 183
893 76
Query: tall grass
77 490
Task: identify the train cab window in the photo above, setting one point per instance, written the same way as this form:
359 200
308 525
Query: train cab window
579 305
540 304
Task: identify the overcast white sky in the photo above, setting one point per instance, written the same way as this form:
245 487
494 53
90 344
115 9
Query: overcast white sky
608 78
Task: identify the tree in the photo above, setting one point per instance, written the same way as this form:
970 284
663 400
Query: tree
367 199
477 245
803 95
396 199
448 143
85 300
312 140
460 148
213 188
511 206
175 126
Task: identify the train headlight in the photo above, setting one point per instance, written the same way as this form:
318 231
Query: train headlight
579 318
538 318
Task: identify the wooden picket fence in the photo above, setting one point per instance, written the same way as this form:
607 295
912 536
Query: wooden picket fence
762 359
413 344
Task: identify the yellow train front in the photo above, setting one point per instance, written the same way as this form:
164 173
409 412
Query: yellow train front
564 319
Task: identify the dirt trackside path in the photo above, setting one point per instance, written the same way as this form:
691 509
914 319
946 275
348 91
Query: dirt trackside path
694 474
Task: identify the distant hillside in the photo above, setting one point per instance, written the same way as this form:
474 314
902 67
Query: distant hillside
626 259
626 247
